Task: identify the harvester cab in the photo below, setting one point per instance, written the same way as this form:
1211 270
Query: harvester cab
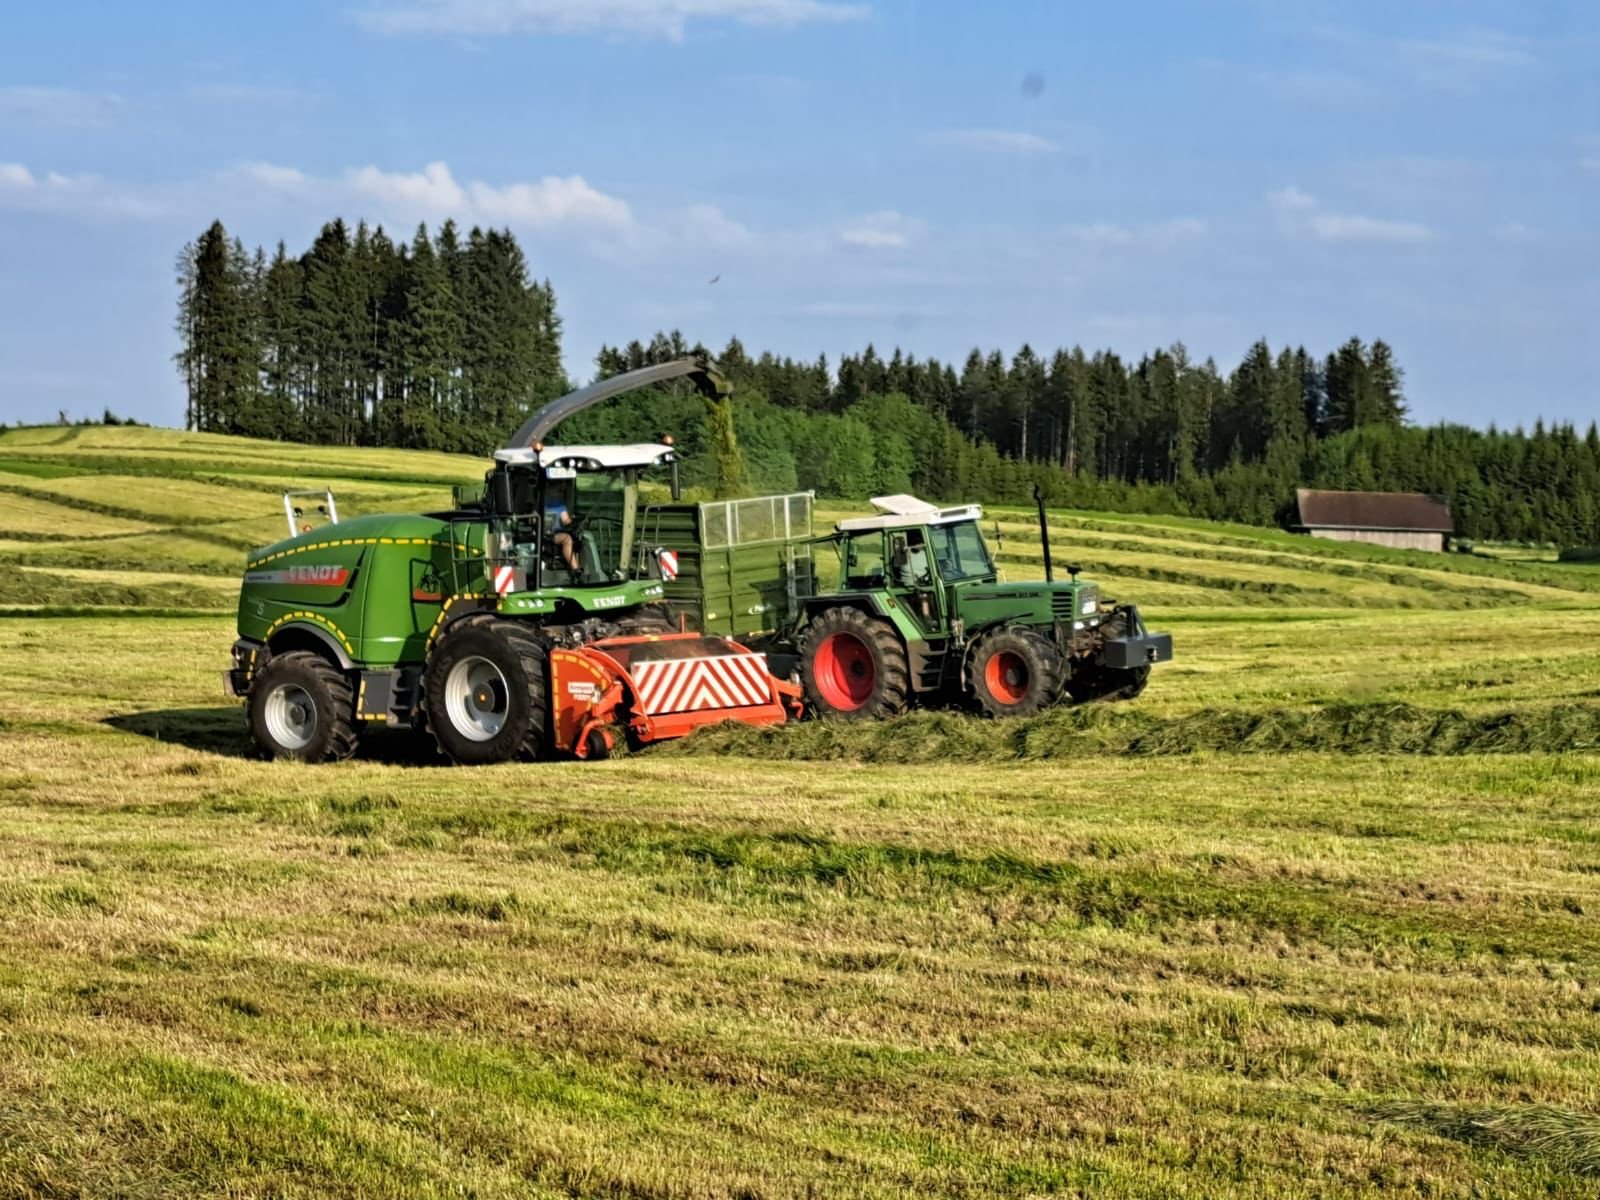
920 613
564 517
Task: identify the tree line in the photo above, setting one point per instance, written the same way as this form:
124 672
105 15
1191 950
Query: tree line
440 343
1163 434
447 342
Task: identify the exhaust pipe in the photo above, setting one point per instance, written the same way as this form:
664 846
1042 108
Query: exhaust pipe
1044 534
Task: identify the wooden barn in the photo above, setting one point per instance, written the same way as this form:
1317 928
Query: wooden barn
1404 520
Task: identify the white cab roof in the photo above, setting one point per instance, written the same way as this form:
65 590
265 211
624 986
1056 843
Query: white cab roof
640 454
901 509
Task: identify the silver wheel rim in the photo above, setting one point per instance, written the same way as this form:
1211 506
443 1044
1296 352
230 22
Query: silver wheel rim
291 716
476 698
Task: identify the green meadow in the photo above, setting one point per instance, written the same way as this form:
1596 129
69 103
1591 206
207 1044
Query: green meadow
1315 916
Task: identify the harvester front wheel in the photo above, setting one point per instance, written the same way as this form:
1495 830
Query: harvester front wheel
302 707
1014 672
853 666
485 691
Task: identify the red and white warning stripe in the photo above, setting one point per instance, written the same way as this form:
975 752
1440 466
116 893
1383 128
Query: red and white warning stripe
505 580
669 563
690 684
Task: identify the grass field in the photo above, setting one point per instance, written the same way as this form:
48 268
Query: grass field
1313 917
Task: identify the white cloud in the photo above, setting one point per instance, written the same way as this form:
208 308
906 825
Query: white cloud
638 18
1476 50
272 176
1157 234
73 195
434 193
1300 214
1327 89
1005 141
887 230
431 194
57 107
707 225
430 190
867 311
553 200
1461 62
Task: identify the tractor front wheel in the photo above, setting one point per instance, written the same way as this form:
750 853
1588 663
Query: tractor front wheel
853 666
1014 672
485 691
302 707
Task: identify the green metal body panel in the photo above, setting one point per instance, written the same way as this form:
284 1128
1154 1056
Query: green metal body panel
374 584
594 600
740 579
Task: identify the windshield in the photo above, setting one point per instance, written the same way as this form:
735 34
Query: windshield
588 522
960 552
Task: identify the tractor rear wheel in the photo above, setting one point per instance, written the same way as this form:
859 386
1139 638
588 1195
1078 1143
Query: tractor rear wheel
1014 672
302 707
485 693
853 666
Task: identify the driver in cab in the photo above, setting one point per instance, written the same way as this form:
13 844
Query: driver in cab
558 521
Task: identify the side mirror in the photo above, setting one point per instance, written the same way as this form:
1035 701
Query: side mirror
502 492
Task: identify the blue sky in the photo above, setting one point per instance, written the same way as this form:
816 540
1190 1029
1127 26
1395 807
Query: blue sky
929 174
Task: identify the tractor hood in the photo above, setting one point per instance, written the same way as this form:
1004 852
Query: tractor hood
1029 603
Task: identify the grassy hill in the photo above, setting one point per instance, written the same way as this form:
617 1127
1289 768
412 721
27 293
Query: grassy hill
1312 918
129 502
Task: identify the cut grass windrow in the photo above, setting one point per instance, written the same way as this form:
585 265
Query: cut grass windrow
1074 732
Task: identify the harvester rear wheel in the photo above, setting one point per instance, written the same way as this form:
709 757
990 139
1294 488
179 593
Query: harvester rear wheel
853 666
302 707
485 691
1014 672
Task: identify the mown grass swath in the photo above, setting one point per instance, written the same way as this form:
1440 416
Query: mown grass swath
1313 917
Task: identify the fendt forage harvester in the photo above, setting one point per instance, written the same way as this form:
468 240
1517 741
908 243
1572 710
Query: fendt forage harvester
552 612
527 621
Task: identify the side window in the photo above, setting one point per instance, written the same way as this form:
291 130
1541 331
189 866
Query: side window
863 562
908 559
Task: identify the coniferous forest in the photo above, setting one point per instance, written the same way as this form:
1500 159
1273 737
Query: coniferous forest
446 341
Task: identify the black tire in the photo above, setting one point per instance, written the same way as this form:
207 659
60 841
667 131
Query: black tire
1090 683
505 716
1014 672
303 708
853 666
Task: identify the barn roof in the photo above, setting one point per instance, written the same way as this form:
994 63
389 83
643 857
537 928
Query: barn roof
1409 511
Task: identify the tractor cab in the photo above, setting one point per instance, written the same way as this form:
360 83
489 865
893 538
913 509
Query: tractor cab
565 516
917 553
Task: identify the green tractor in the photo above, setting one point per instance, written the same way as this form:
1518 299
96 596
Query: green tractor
920 614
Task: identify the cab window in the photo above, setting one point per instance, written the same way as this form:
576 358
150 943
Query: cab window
863 561
959 551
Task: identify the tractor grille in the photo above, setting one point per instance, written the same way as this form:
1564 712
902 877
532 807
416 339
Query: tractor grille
1061 606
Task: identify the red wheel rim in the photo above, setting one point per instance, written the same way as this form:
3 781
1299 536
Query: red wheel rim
1006 675
844 672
